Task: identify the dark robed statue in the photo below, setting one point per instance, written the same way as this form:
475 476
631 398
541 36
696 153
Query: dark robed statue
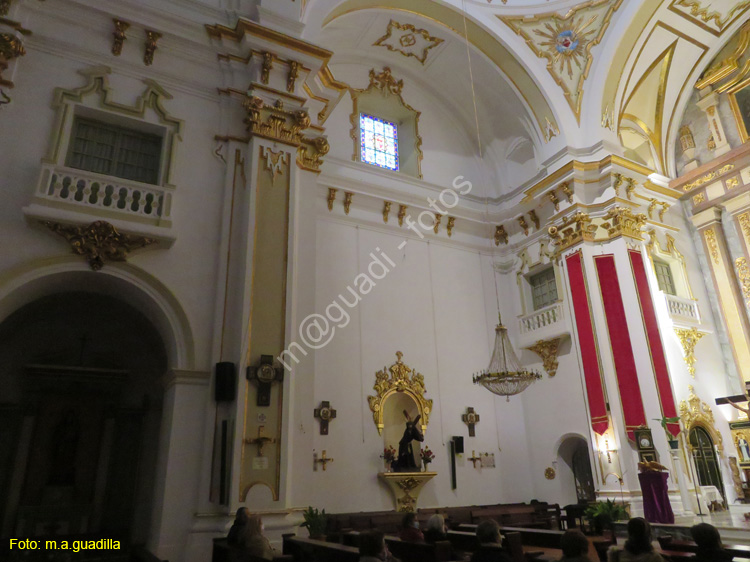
405 461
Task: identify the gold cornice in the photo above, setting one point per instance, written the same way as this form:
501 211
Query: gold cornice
728 65
574 229
701 15
275 123
310 153
547 350
624 223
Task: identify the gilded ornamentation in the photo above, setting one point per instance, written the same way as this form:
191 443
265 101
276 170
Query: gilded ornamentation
549 473
656 203
550 130
347 201
608 119
401 214
687 141
99 242
744 220
331 197
291 79
408 41
4 7
386 211
385 82
274 162
406 487
151 38
743 272
689 337
713 245
566 42
567 191
711 144
574 229
399 378
310 153
500 235
708 177
555 201
547 350
451 224
733 182
10 46
119 36
695 412
708 14
524 224
698 199
534 218
629 188
275 123
624 223
438 218
266 66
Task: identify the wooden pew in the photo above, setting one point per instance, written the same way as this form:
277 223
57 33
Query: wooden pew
667 542
222 553
419 551
303 549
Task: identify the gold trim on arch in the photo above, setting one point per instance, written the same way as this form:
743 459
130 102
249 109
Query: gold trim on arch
696 413
701 16
401 379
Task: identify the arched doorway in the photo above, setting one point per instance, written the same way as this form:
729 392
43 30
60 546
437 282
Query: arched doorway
575 470
704 457
79 415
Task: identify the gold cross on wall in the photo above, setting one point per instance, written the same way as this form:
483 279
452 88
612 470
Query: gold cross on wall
323 459
260 440
474 459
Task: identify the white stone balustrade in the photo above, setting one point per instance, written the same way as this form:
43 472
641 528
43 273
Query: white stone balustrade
92 192
542 318
682 309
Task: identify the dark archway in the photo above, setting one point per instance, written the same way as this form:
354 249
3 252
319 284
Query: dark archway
704 456
79 413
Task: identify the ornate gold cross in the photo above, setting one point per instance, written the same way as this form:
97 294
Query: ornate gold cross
323 459
470 418
474 459
260 440
325 413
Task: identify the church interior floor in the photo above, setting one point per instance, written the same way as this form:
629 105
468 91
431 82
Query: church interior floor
731 523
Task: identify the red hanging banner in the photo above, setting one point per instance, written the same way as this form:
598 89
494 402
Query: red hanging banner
658 360
622 349
587 342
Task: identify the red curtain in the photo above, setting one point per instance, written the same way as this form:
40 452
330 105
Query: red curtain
622 349
587 343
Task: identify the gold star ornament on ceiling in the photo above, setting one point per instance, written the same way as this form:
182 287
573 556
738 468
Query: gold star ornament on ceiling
407 40
566 42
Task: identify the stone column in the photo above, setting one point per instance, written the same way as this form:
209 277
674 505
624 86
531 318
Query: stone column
710 105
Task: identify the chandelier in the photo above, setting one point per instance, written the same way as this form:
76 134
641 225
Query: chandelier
505 376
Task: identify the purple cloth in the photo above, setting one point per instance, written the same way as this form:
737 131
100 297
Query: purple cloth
656 506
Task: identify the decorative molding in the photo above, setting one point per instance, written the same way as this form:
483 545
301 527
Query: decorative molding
704 13
524 224
534 218
4 7
689 337
708 177
451 224
331 197
291 79
566 42
713 245
547 350
573 229
438 218
310 153
99 242
386 210
275 123
744 220
151 38
550 130
624 223
567 191
743 272
695 412
500 235
399 378
401 214
698 199
555 201
347 201
549 473
274 162
266 67
653 203
11 47
119 36
408 41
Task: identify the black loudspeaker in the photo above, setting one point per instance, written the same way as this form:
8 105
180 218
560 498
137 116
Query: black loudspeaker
225 388
458 444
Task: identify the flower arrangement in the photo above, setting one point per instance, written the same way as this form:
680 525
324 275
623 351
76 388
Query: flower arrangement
427 455
389 454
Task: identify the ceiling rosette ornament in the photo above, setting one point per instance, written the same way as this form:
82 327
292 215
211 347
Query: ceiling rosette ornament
406 39
566 42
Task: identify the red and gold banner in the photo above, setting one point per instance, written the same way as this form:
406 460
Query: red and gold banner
658 359
587 342
622 349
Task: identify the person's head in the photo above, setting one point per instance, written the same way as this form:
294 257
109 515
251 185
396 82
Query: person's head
574 543
488 531
243 514
639 536
706 536
436 523
254 525
410 520
372 543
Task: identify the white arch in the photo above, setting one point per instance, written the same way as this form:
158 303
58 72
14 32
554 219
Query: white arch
38 278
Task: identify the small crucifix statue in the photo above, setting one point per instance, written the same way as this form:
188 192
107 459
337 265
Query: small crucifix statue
325 413
261 440
322 460
471 418
475 459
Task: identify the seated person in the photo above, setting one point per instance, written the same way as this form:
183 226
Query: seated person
638 547
372 548
410 528
708 541
249 540
436 529
575 546
488 536
240 521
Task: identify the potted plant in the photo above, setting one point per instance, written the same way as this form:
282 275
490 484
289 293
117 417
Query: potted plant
389 455
601 515
316 522
672 438
427 457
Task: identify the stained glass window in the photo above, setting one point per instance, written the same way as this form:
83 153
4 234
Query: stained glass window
379 142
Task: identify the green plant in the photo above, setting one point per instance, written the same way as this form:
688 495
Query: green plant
603 514
315 521
664 422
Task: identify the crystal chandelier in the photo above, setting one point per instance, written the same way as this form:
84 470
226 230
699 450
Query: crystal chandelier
505 376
